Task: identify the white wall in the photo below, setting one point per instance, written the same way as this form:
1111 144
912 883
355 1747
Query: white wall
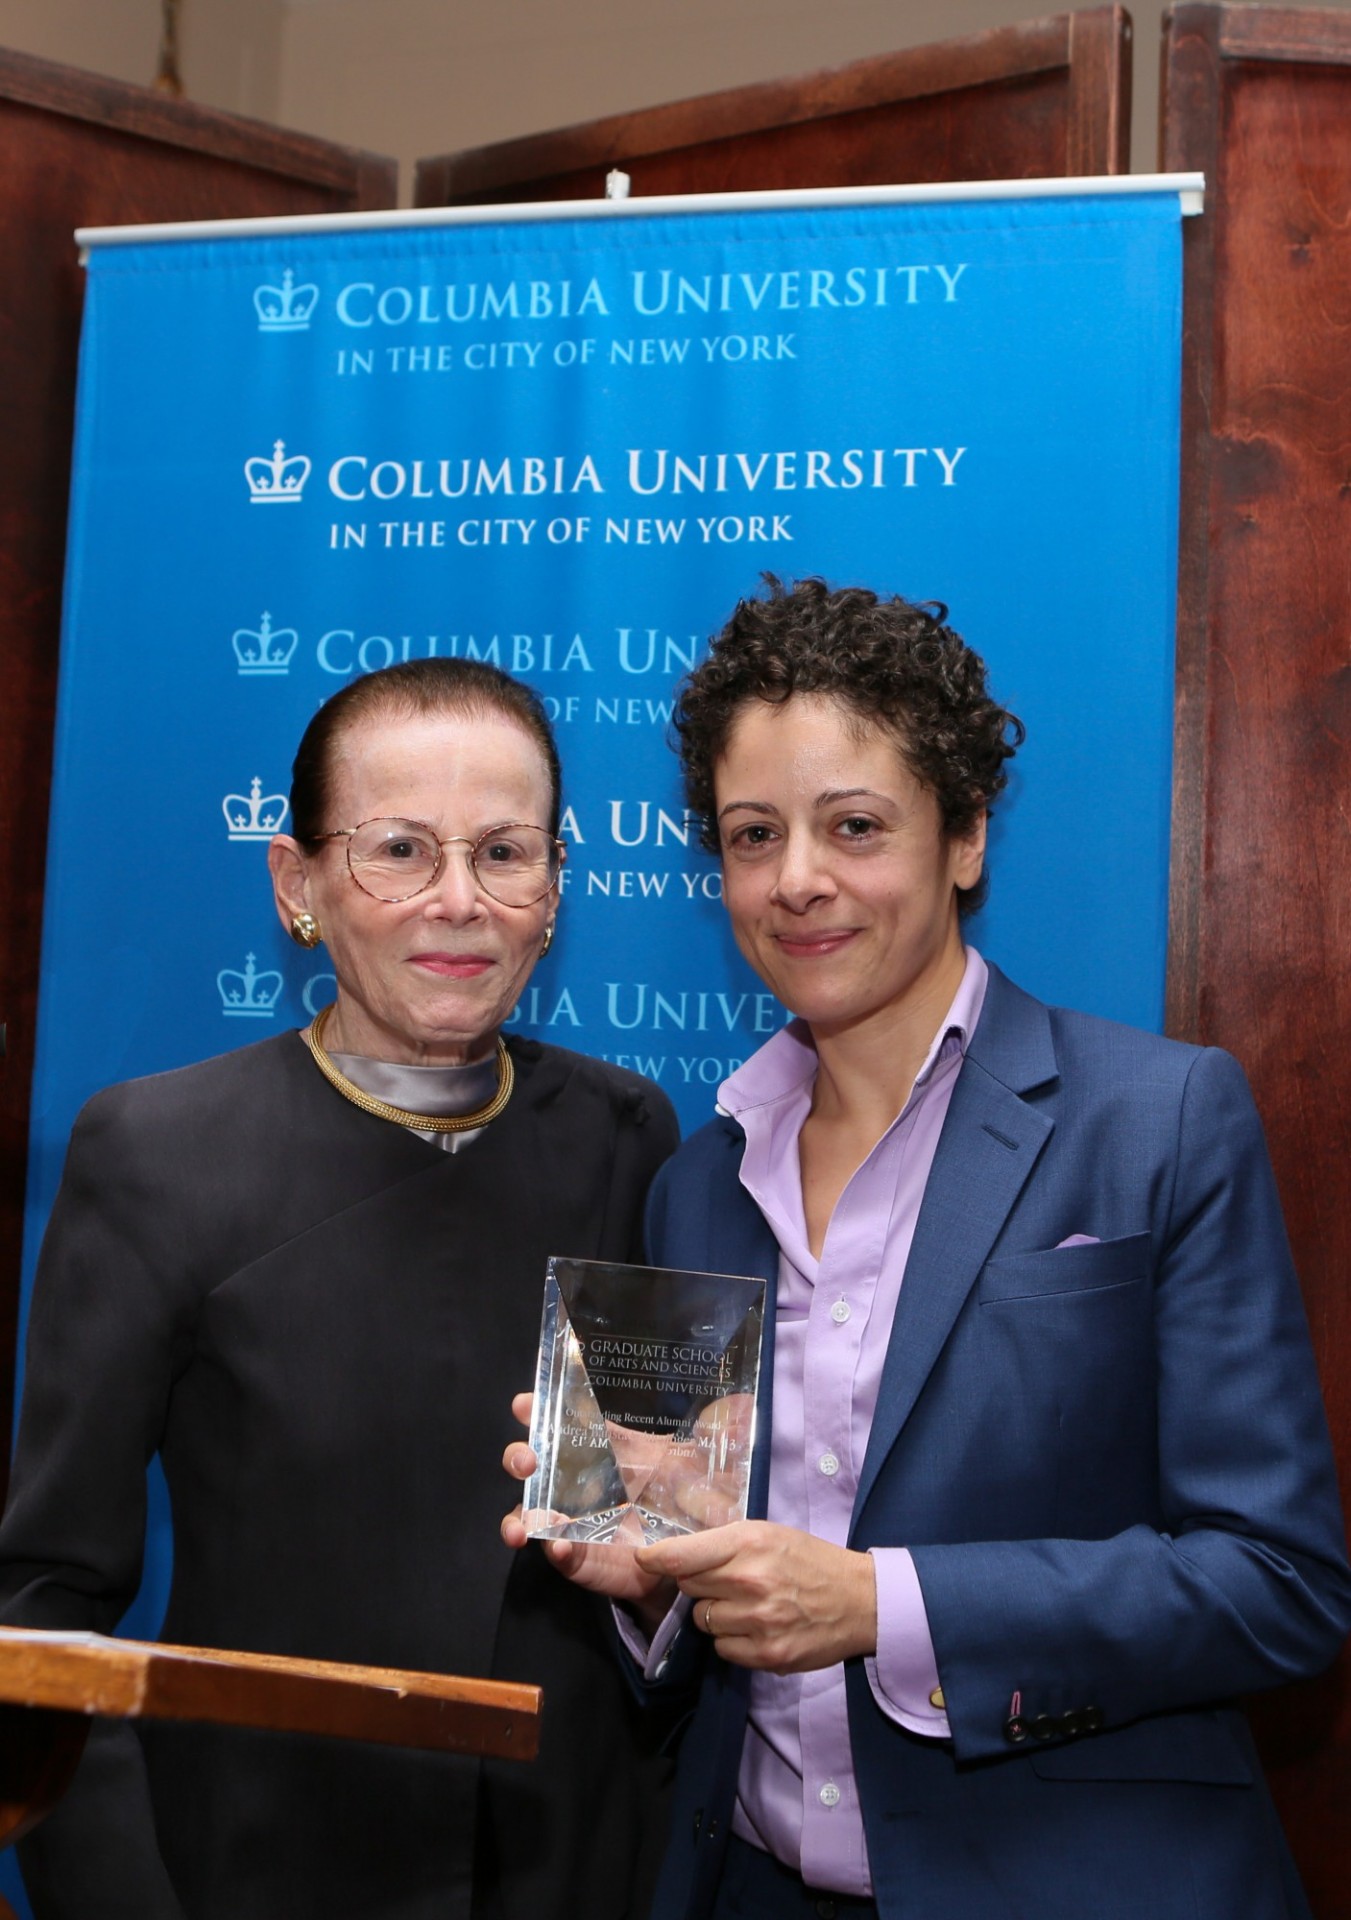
419 77
230 53
230 50
115 37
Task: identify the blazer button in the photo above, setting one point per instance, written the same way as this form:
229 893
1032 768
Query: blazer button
1092 1719
1044 1727
1015 1729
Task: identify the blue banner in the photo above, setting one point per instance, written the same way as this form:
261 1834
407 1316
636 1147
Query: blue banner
569 445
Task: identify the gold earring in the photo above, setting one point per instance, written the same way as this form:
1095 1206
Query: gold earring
548 939
305 930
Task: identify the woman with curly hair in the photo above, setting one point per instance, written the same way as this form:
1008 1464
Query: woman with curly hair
1042 1476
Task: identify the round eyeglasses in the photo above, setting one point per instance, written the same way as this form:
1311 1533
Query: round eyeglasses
515 864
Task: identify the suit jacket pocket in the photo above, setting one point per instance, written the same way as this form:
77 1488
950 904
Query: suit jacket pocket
1084 1269
1175 1746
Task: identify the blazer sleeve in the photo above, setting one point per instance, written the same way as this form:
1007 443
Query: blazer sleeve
111 1322
1243 1581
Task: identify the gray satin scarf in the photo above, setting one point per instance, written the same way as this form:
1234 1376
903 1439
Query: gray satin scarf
435 1090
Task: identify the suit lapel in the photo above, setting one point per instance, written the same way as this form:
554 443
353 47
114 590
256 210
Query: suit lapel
991 1140
740 1240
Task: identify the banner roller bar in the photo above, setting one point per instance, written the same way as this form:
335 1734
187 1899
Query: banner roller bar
1189 187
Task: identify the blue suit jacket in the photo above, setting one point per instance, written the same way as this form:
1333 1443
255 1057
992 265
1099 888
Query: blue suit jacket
1111 1466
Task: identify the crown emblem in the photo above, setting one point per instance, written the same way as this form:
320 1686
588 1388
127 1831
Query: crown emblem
256 818
268 650
250 994
287 308
277 481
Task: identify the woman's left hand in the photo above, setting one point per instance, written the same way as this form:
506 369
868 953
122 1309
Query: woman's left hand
773 1597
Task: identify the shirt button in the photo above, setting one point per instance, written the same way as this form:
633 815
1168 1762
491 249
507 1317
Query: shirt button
828 1465
829 1795
839 1313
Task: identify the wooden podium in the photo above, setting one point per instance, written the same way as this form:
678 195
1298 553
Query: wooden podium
53 1684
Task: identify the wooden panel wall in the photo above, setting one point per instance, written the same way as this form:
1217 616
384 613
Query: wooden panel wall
76 150
1260 99
1049 97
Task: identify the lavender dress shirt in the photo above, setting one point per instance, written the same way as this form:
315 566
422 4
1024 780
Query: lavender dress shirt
796 1794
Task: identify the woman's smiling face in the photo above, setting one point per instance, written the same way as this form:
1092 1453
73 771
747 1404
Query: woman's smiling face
840 883
429 980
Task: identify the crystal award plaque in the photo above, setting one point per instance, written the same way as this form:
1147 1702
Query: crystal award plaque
644 1402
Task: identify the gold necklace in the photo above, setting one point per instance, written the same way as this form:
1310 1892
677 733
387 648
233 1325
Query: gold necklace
423 1122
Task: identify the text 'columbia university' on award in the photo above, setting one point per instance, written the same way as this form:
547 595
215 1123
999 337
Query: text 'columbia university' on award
644 1402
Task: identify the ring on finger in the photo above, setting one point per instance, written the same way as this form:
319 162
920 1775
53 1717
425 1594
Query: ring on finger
708 1618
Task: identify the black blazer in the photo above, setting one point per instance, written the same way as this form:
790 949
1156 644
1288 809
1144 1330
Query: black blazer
318 1320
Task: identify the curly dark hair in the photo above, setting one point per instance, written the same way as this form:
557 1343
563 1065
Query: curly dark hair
888 660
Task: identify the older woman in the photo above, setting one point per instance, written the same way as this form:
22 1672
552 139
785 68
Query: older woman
1045 1480
305 1273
